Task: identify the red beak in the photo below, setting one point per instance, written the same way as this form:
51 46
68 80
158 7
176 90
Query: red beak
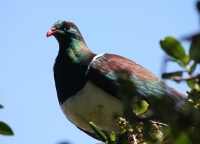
52 31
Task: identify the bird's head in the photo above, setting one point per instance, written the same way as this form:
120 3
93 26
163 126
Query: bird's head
63 30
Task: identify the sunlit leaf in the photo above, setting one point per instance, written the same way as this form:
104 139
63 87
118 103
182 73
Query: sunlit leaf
191 83
98 132
177 61
141 107
112 136
5 129
174 48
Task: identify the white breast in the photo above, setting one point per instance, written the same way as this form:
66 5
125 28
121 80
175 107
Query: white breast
92 104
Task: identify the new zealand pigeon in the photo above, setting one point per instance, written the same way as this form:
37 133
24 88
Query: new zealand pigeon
86 82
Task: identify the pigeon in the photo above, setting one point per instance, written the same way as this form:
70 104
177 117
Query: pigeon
87 83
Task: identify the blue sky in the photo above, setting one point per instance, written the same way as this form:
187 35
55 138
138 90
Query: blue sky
130 28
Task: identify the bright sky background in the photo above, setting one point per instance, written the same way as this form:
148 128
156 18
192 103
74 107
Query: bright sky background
130 28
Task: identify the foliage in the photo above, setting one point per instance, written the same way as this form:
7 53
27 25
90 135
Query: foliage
181 122
4 128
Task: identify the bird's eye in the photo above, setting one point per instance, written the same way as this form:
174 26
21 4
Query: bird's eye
68 25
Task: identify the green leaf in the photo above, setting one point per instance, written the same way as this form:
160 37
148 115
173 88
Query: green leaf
195 48
174 48
123 138
98 132
1 106
193 67
112 136
198 6
191 83
112 139
182 139
141 107
177 61
134 100
5 129
177 135
174 76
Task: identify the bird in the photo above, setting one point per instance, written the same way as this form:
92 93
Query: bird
86 83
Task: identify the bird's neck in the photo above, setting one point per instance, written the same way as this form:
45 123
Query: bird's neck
70 67
76 51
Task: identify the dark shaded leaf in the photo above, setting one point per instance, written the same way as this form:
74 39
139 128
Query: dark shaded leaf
182 139
64 143
173 48
98 132
5 129
123 138
134 100
198 6
193 67
174 75
1 106
195 48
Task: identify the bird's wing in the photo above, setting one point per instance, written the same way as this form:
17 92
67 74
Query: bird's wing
102 72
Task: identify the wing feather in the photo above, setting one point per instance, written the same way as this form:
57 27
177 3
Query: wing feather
102 72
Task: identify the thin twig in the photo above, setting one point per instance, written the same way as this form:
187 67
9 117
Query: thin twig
177 78
159 123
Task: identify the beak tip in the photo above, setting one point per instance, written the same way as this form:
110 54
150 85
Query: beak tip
51 32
